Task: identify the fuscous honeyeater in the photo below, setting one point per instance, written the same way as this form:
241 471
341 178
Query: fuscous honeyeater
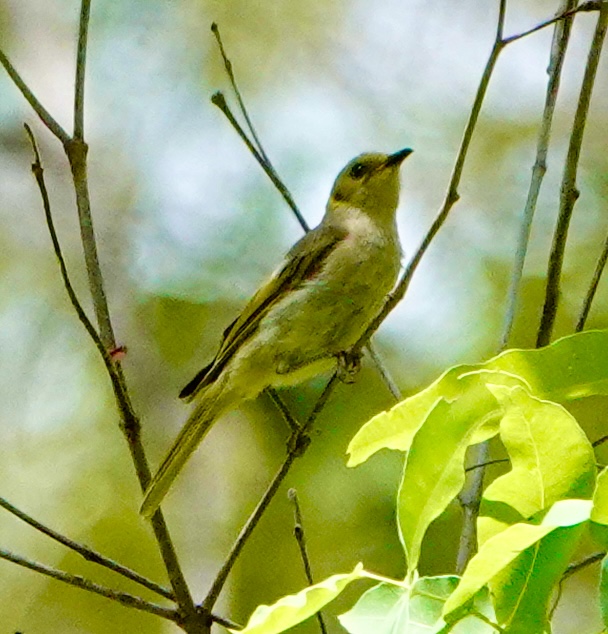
315 306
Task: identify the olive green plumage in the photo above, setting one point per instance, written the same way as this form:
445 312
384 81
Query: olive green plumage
330 286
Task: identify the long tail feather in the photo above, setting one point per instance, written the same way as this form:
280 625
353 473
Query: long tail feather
192 433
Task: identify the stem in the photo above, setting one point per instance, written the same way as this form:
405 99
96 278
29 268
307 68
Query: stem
298 531
81 58
569 191
123 598
297 448
38 108
597 275
561 37
88 553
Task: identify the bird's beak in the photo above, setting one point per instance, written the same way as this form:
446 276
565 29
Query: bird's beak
397 157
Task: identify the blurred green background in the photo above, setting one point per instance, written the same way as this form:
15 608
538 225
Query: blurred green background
188 226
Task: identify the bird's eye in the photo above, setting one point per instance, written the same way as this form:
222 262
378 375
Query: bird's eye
357 170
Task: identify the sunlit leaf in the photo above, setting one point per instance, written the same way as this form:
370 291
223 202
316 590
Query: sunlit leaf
500 551
434 467
295 608
386 609
551 459
571 367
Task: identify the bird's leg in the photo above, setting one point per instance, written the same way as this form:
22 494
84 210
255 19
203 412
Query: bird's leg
349 364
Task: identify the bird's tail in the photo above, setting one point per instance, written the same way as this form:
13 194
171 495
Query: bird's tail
212 403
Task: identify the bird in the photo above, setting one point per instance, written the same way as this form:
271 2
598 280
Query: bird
316 305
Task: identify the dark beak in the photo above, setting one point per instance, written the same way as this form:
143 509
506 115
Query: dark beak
398 157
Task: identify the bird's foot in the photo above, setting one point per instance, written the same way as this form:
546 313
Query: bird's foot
298 443
349 364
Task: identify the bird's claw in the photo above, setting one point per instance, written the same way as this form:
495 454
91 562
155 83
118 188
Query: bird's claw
349 364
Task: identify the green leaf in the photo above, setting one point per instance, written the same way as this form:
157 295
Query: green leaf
571 367
604 591
551 459
500 551
599 513
295 608
387 609
434 467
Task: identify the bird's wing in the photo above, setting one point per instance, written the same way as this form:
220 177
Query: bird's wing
303 262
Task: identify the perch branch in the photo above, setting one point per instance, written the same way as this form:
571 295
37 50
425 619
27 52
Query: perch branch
296 449
597 275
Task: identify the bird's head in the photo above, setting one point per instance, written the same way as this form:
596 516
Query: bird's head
370 182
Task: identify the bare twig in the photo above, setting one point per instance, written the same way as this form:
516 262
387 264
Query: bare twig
561 37
297 448
218 99
569 191
81 58
597 275
88 553
470 498
298 531
123 598
592 5
44 115
571 570
451 197
488 463
278 402
228 66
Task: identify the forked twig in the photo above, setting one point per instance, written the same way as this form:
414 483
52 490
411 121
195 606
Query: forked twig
569 191
561 37
123 598
88 553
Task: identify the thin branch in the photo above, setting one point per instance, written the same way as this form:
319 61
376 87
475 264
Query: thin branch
470 498
292 423
561 37
297 449
597 275
599 441
451 197
123 598
228 66
129 421
88 553
569 191
488 463
570 570
584 563
81 59
298 531
218 99
44 115
393 388
592 5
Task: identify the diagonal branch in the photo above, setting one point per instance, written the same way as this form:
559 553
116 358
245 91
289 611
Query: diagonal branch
597 275
561 37
44 115
298 446
88 553
569 191
123 598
